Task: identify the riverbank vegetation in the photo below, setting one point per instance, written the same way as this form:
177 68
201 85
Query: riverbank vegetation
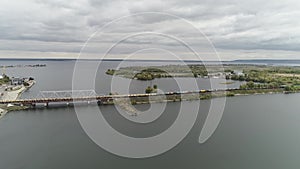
270 77
4 80
152 72
12 107
150 89
256 76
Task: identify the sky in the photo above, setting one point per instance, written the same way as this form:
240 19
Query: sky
235 29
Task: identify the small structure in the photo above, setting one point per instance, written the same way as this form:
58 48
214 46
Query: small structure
239 73
16 81
10 105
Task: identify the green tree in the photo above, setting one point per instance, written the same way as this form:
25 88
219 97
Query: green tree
26 84
250 85
289 88
149 89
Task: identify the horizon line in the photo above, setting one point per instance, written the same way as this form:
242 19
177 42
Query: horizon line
149 60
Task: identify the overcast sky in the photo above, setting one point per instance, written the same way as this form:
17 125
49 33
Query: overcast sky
238 29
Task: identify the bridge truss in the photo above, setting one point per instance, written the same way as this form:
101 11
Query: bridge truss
66 94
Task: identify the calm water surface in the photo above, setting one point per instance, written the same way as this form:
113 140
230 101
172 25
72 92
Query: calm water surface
255 132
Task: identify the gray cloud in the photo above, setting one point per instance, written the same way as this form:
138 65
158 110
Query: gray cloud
235 25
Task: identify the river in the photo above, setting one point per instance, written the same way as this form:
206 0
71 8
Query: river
260 131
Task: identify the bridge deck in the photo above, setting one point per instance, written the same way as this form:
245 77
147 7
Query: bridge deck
58 97
72 99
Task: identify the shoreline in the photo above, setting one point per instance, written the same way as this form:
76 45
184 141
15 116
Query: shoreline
3 112
198 96
159 98
126 105
13 95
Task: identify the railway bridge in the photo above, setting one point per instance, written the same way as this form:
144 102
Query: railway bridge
77 96
71 96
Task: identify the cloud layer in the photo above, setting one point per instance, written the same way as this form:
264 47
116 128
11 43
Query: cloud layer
237 28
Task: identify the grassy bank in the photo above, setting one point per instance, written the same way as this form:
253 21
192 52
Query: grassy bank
202 96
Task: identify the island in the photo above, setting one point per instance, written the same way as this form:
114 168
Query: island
257 78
